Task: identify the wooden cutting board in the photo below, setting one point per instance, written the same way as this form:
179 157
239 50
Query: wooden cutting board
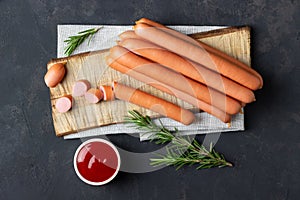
91 66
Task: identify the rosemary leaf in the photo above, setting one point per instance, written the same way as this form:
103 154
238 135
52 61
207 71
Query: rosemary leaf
182 151
74 41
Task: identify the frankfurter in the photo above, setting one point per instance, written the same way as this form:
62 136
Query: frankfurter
55 74
153 103
128 34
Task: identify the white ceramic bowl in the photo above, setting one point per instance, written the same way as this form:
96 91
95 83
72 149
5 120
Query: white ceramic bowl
75 161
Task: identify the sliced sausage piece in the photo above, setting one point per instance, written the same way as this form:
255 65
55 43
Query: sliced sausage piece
171 78
153 103
108 94
55 75
80 88
188 68
170 90
93 95
64 104
202 45
198 55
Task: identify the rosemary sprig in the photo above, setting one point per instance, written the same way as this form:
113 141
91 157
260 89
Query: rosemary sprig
182 151
74 41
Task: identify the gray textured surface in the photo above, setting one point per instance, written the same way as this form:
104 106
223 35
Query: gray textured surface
34 163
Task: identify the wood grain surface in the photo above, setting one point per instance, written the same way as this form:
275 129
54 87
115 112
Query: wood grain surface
91 66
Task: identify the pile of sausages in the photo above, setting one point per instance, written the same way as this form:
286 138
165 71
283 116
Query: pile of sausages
181 66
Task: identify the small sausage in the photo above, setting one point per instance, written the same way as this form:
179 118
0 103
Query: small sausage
203 45
64 104
55 75
93 95
108 94
153 103
80 88
149 22
170 90
198 55
128 34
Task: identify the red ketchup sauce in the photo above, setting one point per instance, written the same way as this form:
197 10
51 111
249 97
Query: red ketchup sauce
97 161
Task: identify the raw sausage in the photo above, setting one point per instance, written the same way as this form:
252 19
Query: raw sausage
55 75
128 34
153 103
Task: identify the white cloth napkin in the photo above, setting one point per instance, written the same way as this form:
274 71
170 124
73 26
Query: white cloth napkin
105 38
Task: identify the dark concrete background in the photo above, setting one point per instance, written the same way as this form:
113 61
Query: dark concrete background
36 164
